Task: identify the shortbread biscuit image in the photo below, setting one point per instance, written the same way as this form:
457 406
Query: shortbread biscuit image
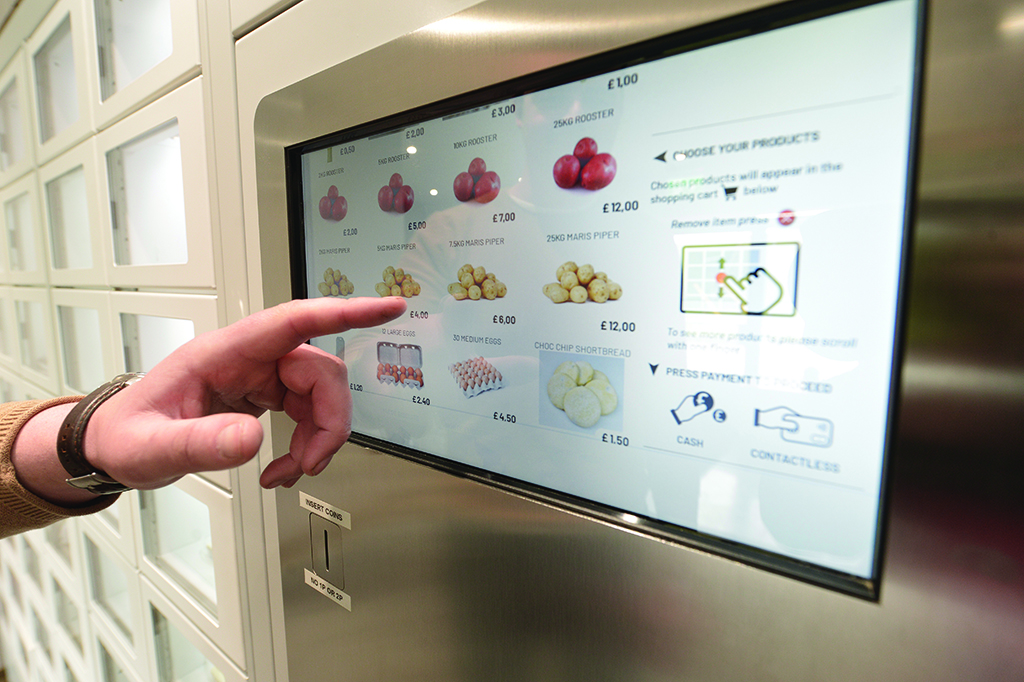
558 386
606 395
586 372
582 407
569 369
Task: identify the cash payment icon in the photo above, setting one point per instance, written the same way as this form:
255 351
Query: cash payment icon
795 428
693 406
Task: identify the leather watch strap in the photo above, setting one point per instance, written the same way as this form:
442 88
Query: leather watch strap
72 435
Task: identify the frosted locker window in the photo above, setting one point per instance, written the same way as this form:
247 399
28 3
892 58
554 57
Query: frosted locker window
12 137
148 339
112 515
147 198
15 591
55 82
40 631
6 391
112 671
69 676
68 615
68 209
133 37
110 589
6 334
32 335
21 233
82 347
177 659
31 562
176 536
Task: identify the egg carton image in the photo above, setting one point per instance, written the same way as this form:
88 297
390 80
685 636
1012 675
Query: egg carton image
476 376
400 364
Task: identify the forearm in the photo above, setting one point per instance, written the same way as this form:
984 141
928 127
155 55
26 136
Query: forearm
34 456
20 507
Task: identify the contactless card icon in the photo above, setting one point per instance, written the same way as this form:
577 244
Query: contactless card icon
796 428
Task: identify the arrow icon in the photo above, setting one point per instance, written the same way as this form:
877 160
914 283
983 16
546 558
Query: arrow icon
721 262
661 157
654 368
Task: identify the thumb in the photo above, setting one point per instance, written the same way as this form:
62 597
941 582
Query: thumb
178 447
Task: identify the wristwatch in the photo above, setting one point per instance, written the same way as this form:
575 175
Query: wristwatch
72 435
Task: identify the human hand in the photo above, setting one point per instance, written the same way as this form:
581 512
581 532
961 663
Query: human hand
196 410
758 292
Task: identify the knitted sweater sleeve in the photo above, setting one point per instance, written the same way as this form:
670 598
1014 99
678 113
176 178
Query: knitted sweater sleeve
20 509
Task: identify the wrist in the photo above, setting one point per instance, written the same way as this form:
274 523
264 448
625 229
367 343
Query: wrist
74 440
34 457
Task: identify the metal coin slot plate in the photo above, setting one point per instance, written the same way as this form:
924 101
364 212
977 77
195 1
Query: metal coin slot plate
327 560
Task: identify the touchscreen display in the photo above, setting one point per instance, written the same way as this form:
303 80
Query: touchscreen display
667 290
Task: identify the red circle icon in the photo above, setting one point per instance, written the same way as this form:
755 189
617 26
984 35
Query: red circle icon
787 217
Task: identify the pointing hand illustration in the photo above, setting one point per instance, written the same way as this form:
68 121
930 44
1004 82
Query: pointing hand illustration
758 292
693 406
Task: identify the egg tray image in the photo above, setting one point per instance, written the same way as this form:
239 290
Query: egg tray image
476 376
399 375
400 365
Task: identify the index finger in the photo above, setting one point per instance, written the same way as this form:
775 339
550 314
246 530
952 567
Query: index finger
274 332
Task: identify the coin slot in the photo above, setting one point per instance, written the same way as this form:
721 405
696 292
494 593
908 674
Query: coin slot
325 550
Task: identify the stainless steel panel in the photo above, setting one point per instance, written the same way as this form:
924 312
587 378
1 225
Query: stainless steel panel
452 580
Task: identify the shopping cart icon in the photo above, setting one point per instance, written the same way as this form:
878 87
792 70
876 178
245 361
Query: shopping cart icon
730 192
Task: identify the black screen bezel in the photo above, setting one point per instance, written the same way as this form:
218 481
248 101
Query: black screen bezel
687 40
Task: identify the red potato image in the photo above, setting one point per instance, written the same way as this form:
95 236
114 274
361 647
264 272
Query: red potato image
585 168
333 206
598 173
403 199
386 198
487 187
477 184
567 171
585 150
477 167
395 196
463 186
340 208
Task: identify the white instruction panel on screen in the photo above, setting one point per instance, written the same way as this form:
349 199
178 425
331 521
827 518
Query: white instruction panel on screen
670 289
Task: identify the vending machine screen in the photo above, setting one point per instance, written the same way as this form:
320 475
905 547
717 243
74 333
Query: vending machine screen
660 286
